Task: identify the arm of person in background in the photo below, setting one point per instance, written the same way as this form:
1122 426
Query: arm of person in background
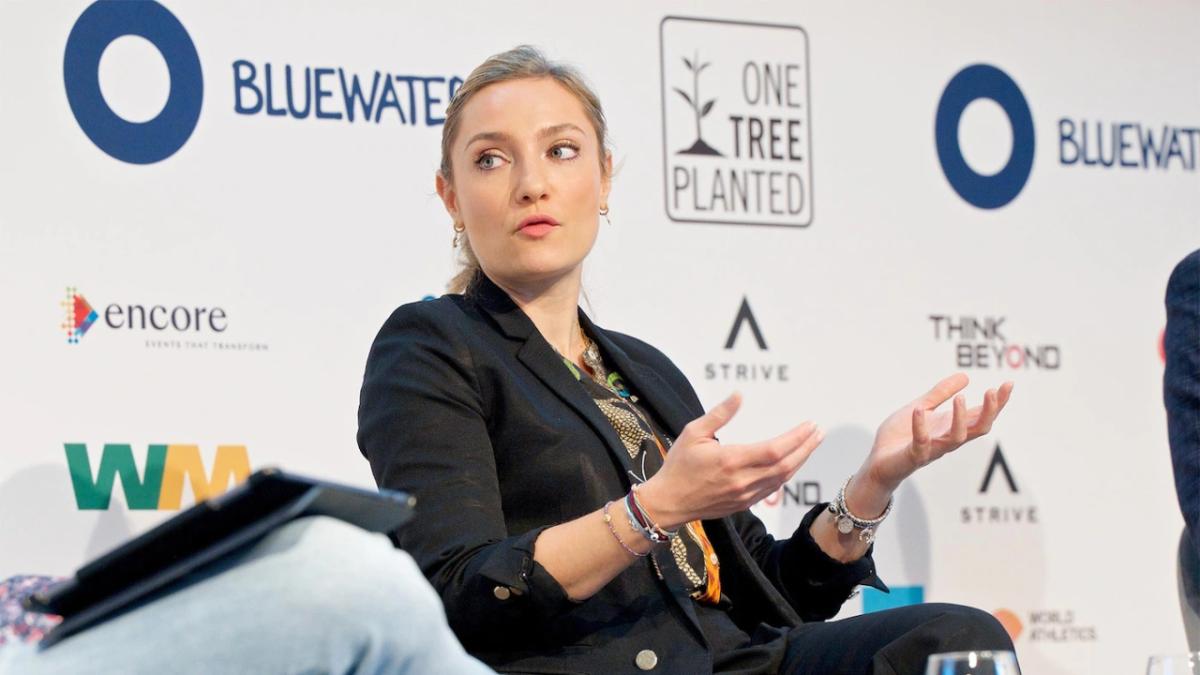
1181 387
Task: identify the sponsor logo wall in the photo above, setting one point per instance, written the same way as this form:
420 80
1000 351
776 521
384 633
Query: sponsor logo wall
206 213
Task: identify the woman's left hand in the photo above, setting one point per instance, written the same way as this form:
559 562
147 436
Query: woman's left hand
918 434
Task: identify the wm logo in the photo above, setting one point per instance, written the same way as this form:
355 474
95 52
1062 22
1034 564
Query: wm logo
161 485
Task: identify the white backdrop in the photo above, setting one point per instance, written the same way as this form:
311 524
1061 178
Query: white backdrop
302 234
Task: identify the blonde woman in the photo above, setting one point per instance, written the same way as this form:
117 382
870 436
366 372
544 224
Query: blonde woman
577 513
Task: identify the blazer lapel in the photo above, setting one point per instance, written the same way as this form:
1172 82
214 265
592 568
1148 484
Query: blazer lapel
654 392
656 395
540 358
671 409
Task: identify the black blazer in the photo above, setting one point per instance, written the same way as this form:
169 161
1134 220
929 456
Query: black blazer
465 405
1181 388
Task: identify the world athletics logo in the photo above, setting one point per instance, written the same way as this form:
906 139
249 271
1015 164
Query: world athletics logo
134 142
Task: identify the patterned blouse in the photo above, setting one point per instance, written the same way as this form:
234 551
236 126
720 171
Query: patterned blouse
646 445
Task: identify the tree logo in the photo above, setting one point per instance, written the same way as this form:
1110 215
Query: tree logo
693 100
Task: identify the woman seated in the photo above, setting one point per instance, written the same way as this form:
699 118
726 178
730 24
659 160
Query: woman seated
577 513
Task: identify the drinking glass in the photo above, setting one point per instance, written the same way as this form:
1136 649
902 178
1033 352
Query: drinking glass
1174 664
973 663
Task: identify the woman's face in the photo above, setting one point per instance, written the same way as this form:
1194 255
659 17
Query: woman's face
527 180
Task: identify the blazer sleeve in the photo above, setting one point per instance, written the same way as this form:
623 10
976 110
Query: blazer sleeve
422 426
814 584
1181 386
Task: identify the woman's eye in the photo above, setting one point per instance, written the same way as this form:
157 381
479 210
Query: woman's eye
564 151
487 162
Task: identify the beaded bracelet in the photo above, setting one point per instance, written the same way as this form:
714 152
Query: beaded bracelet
637 525
641 522
847 522
608 521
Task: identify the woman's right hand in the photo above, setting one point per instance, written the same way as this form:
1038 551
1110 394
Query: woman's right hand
701 478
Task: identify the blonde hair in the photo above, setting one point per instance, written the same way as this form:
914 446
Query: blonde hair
518 63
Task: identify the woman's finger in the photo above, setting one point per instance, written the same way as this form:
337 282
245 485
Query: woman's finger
770 477
981 422
942 391
769 453
789 465
707 425
920 434
958 424
1003 395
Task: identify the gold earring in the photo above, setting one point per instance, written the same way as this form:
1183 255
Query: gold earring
459 228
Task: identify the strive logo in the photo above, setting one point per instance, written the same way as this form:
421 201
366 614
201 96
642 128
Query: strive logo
744 371
1001 501
160 486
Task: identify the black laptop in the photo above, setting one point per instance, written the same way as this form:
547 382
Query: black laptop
267 499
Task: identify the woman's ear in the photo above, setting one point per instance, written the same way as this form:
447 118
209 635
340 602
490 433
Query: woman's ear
445 190
606 179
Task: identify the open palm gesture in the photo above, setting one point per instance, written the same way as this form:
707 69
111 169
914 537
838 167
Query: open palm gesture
918 433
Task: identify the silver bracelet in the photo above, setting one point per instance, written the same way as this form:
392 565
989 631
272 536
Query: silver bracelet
847 522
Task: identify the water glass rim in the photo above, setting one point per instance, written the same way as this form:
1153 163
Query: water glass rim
978 652
1177 655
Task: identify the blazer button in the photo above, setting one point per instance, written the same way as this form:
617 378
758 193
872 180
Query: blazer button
501 592
646 659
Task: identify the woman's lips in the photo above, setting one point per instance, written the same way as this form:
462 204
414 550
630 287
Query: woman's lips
537 230
537 226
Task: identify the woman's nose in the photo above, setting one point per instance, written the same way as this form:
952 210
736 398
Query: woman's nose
532 184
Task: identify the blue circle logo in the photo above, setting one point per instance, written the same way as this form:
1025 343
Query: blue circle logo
971 83
134 142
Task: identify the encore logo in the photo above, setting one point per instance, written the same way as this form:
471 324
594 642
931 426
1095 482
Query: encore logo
160 486
79 317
